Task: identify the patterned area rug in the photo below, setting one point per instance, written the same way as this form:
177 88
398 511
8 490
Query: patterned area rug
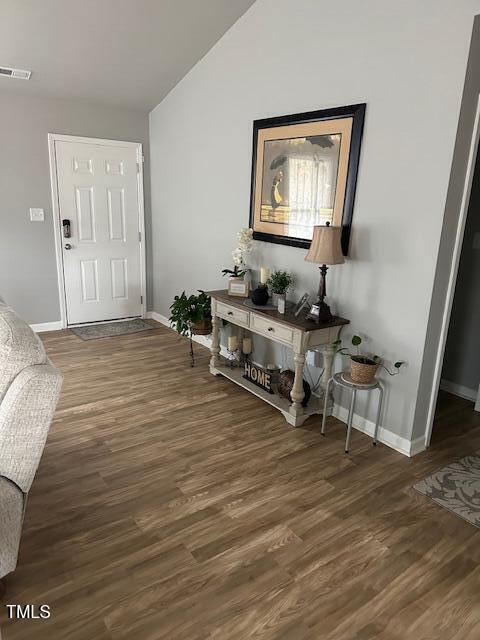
110 329
456 488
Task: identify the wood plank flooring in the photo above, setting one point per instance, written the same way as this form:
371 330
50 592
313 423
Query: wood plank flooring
173 505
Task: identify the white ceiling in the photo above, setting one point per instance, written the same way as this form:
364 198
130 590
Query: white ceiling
129 53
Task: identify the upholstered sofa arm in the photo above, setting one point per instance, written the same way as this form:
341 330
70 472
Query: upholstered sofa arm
12 504
25 415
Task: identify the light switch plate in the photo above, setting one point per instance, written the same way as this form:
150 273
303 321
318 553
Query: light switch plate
36 215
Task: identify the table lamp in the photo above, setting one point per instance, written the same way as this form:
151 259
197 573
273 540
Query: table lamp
326 249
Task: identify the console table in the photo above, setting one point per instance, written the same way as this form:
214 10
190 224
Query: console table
286 329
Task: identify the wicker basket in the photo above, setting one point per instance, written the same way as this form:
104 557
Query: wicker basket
362 372
285 386
202 328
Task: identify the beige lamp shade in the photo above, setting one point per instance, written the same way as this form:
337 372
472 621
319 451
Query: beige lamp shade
326 247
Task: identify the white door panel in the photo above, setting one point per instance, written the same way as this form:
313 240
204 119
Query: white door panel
98 193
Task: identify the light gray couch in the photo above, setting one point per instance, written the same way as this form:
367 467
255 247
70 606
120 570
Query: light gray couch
29 390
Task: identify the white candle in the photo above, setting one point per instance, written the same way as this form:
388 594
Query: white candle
232 343
247 346
264 274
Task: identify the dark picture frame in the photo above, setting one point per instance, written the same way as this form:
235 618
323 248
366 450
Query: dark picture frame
340 128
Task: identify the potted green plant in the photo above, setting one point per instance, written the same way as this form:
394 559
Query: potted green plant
191 315
363 367
280 282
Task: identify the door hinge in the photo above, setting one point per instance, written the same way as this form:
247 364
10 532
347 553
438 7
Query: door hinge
141 299
139 236
138 167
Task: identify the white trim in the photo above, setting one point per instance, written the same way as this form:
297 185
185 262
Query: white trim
47 326
458 390
57 137
205 341
141 226
102 142
452 280
56 228
153 315
417 446
93 324
402 445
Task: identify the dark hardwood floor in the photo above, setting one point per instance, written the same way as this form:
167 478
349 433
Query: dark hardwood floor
173 505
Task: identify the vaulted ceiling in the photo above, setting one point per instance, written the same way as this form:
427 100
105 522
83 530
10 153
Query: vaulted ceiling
128 53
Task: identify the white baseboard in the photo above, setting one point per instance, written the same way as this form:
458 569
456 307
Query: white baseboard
153 315
417 446
206 341
402 445
459 390
47 326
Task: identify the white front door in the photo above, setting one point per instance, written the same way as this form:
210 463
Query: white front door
98 194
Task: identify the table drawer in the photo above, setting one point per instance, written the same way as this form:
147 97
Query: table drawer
272 330
237 316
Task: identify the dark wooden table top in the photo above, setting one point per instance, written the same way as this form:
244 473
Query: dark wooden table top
288 318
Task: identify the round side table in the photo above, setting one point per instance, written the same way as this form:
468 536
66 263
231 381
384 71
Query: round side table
344 380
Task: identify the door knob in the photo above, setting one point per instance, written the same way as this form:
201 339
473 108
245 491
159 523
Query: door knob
68 246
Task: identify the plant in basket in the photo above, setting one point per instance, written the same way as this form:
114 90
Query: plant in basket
191 315
364 367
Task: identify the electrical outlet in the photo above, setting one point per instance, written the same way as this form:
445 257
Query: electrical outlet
314 359
36 215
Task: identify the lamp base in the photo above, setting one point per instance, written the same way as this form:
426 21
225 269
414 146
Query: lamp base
320 313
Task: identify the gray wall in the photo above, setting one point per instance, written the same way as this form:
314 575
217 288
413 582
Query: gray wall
28 276
462 362
450 220
283 57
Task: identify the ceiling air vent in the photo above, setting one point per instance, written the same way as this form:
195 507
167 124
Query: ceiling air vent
22 74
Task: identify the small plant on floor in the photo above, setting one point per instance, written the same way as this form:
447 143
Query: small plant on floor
191 315
363 366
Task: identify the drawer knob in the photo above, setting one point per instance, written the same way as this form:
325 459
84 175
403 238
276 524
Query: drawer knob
230 313
271 329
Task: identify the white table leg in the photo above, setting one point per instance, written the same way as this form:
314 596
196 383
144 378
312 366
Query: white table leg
215 348
328 357
297 393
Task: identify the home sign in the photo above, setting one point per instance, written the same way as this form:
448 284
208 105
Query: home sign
258 376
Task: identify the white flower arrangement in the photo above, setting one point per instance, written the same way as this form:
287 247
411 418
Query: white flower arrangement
239 254
243 248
